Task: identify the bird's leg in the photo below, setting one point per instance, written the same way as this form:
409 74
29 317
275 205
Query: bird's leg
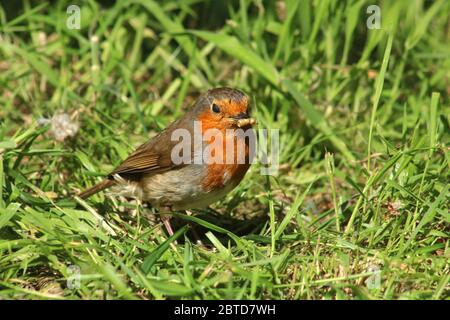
165 219
196 236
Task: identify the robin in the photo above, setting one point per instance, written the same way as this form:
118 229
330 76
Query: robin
220 125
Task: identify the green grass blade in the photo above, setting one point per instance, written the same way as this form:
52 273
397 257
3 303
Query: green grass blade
317 119
292 211
236 49
378 89
151 259
7 213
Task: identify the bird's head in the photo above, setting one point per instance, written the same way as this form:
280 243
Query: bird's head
224 108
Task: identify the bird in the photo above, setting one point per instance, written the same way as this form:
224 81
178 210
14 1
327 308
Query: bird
174 174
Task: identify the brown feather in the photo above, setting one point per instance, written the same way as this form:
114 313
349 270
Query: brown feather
154 156
137 163
98 187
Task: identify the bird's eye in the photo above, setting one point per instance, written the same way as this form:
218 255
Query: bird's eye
215 108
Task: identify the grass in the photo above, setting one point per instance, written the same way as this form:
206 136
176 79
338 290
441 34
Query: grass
359 208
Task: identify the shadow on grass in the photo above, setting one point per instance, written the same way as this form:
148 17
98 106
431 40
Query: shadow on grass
235 224
238 226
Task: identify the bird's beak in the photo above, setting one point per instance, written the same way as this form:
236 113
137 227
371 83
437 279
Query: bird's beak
242 120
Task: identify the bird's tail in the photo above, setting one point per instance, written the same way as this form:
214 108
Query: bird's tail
98 187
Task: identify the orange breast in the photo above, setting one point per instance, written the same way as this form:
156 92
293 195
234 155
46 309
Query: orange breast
218 175
230 168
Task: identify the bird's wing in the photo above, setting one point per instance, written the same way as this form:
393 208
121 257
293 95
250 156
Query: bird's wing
153 156
139 162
